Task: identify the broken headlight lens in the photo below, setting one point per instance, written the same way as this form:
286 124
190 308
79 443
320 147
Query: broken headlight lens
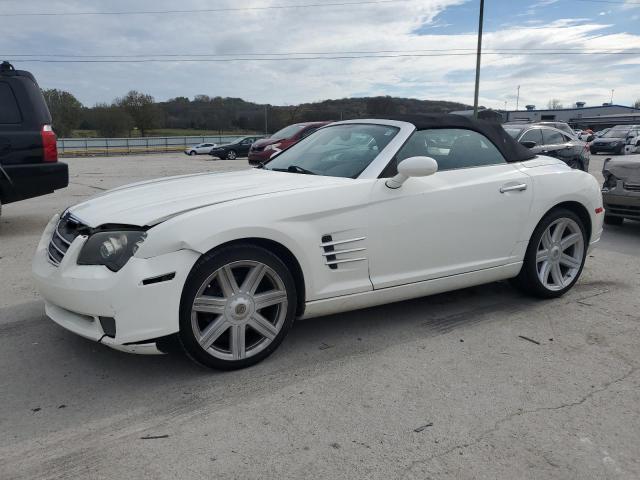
111 249
610 181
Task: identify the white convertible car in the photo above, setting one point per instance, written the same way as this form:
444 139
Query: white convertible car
360 213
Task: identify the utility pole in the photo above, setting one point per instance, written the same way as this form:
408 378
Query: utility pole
518 98
479 54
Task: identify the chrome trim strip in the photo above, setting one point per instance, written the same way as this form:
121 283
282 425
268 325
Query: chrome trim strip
60 236
340 242
336 262
338 252
52 243
52 260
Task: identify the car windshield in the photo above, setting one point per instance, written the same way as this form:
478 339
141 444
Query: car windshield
287 132
514 132
335 151
616 133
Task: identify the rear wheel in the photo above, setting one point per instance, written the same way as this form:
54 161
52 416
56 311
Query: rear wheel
611 220
555 255
232 155
237 306
192 152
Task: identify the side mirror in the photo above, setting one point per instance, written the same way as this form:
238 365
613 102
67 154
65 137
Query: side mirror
590 138
528 144
412 167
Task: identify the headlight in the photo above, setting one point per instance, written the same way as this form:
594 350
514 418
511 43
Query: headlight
610 181
111 249
273 146
614 144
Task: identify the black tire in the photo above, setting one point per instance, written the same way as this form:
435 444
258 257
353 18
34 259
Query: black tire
593 151
620 150
192 152
232 155
611 220
527 280
204 267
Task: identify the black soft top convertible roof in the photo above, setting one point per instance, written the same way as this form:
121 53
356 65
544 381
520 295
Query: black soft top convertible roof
511 150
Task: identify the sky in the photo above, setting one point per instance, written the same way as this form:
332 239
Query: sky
428 47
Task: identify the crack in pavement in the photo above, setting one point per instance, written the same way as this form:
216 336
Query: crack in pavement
500 422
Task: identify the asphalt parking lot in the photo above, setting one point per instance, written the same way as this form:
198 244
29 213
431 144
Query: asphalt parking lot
477 384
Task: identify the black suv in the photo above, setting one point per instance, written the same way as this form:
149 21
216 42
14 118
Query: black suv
28 153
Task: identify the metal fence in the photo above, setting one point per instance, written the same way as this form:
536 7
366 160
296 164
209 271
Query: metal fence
121 146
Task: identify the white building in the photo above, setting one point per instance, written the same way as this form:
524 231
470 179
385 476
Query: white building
568 115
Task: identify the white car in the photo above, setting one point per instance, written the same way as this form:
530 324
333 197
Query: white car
360 213
200 149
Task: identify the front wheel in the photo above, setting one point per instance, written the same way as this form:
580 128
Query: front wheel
192 152
232 155
555 255
237 306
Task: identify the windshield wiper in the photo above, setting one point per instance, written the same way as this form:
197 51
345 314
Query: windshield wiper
294 169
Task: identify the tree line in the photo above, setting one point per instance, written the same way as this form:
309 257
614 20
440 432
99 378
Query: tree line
140 111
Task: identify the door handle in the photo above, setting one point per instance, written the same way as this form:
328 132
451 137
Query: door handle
513 188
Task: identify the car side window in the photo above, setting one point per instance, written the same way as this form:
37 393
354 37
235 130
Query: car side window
452 148
534 135
552 137
9 111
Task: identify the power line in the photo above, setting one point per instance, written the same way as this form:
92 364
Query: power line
205 10
278 54
334 57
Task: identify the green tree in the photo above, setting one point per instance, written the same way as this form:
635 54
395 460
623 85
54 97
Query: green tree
111 120
636 104
65 110
141 108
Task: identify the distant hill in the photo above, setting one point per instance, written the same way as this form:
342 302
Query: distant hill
235 114
228 113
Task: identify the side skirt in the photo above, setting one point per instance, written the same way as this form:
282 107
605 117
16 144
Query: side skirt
400 293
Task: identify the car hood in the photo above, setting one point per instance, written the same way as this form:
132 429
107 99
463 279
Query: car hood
151 202
626 169
267 141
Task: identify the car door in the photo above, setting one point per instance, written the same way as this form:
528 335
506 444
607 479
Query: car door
244 146
533 135
558 145
468 216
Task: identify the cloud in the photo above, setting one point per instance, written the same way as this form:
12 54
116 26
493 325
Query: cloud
337 29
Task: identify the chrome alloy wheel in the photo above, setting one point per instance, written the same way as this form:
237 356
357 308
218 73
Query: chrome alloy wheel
560 253
239 310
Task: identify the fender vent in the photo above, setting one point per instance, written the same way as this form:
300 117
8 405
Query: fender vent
336 252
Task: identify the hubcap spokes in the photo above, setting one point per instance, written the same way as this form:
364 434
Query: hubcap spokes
239 310
559 254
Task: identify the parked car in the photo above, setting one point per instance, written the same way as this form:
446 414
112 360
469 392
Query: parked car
264 149
621 189
235 149
361 213
200 149
552 142
29 164
615 139
562 126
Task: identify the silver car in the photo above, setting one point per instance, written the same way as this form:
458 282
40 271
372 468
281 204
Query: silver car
200 149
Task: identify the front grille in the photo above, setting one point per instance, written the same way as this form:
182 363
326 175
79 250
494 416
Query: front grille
67 229
632 187
629 211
